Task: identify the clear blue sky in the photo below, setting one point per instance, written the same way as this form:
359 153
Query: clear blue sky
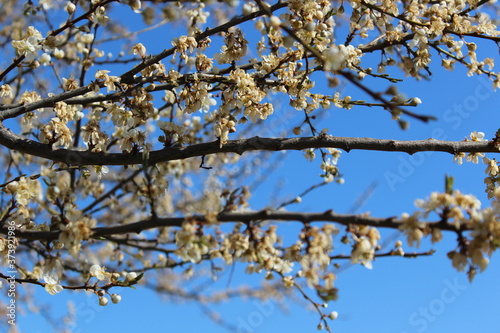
398 295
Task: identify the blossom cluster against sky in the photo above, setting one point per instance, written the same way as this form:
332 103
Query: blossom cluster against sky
397 295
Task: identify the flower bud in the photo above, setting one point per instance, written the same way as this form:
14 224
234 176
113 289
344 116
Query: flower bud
274 21
333 315
70 8
103 301
115 298
130 276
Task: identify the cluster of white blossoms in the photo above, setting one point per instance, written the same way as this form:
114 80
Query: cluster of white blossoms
341 56
110 82
313 253
30 45
29 97
492 180
365 243
99 16
139 49
329 164
218 80
6 91
75 231
196 96
57 133
183 44
172 131
121 117
92 135
244 93
234 48
24 190
51 274
470 157
123 279
261 250
225 125
459 211
191 245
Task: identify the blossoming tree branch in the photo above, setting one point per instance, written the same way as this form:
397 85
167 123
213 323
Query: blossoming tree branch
124 165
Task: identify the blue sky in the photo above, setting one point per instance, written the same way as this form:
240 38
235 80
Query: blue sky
398 295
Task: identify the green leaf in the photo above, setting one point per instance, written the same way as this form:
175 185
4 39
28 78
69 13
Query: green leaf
448 184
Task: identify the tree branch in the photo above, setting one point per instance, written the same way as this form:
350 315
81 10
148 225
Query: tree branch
81 158
245 217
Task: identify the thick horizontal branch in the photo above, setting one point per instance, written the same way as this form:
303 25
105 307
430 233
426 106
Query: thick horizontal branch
81 158
245 217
